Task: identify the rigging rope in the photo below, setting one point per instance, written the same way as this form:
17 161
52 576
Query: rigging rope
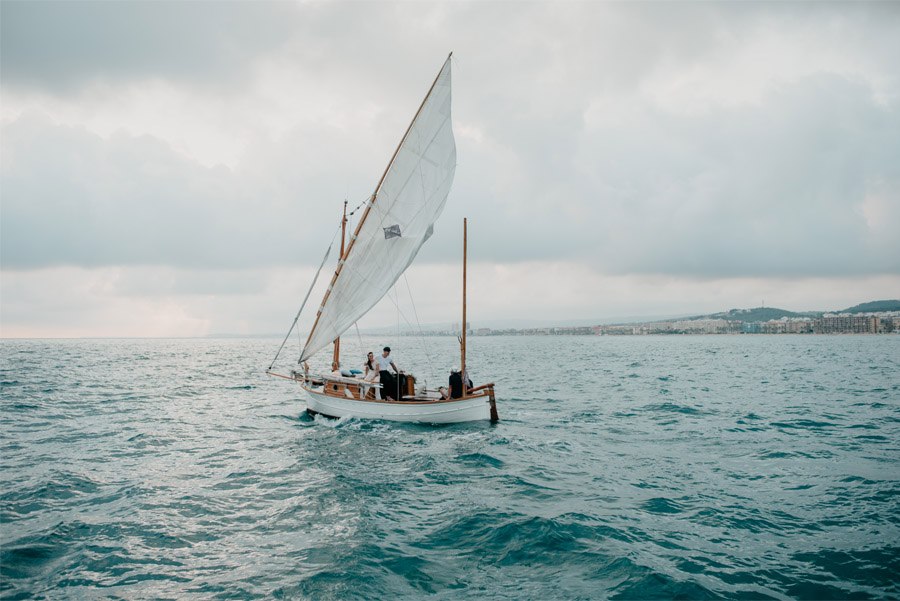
419 324
306 298
369 200
358 337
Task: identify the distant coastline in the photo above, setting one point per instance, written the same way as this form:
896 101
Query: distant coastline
876 317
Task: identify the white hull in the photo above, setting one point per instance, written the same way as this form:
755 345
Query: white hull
429 412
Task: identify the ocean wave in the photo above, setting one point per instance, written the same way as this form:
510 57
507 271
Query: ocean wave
144 469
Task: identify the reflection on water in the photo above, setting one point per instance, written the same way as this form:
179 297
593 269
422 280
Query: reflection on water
699 467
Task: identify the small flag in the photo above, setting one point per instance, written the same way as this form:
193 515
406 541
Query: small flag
392 231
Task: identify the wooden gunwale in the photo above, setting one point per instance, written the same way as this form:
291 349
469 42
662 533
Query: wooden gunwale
488 392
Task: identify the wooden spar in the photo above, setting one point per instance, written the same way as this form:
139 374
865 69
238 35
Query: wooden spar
479 390
336 357
272 373
374 197
462 345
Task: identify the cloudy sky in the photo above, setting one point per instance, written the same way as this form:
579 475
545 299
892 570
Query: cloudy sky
178 168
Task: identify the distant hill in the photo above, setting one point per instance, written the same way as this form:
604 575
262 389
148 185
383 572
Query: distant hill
757 314
871 307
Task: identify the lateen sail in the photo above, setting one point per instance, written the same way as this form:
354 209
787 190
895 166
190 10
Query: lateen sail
398 220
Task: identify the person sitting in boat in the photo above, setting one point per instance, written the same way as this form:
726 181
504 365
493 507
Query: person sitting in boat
370 368
336 370
389 385
370 375
456 383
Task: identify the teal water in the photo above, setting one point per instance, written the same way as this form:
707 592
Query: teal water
735 467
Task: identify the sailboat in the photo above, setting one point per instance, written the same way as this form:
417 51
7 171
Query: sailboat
397 219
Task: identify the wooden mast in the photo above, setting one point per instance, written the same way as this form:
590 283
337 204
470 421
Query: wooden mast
372 200
462 345
336 358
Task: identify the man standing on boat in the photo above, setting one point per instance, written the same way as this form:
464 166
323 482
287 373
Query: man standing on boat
388 383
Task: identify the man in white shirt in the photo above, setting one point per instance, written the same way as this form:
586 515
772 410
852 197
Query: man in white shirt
389 385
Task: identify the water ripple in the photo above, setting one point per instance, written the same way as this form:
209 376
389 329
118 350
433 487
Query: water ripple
658 467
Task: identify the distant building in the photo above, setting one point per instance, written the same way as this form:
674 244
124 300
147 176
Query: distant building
787 325
847 324
702 326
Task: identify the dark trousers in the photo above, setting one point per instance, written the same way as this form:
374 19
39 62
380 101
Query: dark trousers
388 386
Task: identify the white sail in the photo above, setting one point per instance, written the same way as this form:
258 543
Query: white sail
398 220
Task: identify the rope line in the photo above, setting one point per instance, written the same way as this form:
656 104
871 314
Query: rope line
419 324
306 298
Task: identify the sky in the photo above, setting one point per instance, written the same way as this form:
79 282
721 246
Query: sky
178 168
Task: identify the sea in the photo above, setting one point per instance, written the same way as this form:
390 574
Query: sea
644 467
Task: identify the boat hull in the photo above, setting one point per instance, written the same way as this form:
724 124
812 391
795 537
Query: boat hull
429 412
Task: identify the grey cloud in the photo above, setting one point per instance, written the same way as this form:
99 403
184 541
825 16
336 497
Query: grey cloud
155 282
62 45
73 198
761 188
775 189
